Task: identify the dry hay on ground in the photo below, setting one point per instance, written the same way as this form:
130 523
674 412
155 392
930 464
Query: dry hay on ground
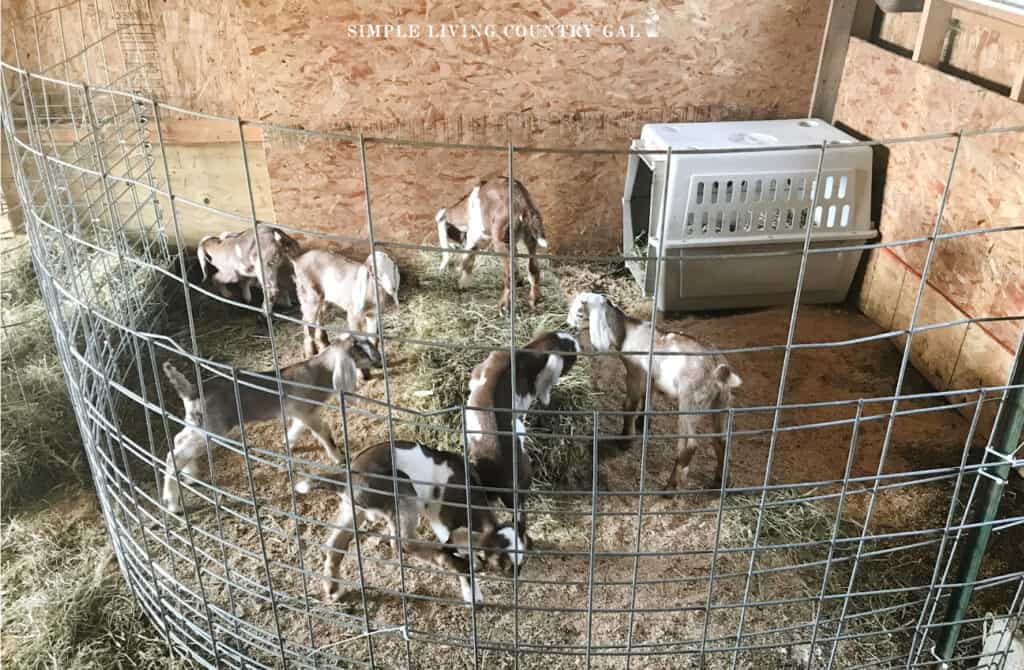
677 537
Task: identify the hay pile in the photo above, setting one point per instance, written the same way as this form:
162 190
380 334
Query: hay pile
434 378
41 440
65 603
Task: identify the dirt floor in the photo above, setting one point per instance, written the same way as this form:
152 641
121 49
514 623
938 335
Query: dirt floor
675 542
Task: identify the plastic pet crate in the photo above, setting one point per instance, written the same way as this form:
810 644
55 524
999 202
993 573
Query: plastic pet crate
746 202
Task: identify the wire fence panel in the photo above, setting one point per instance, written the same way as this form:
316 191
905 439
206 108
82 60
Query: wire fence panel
859 518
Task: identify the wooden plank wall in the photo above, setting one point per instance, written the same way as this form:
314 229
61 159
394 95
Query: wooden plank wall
886 95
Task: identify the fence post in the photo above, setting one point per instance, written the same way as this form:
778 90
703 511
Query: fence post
1006 436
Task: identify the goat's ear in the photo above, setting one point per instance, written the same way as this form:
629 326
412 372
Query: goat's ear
602 337
345 372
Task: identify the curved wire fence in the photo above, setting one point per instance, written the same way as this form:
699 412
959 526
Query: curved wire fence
775 569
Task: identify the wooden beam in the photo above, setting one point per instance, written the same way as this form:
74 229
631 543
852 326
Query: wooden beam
832 58
179 132
931 32
864 19
1017 88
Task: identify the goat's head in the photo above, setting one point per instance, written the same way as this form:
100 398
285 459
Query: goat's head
602 317
500 548
387 274
361 350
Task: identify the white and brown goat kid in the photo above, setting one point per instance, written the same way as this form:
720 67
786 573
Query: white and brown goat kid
236 260
483 215
699 381
430 483
307 385
326 277
492 434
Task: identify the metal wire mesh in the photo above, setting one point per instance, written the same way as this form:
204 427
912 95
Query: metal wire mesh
774 572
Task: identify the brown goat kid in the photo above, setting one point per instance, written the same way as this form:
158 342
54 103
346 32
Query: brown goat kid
236 260
701 381
430 483
483 214
490 430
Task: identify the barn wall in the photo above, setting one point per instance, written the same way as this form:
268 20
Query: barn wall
294 63
976 48
884 95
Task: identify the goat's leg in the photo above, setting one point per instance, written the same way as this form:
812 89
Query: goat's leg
320 429
338 541
310 302
721 426
295 428
321 335
534 267
246 285
189 446
506 275
687 446
466 265
635 388
222 288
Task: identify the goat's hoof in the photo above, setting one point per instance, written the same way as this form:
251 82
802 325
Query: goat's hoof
331 592
174 508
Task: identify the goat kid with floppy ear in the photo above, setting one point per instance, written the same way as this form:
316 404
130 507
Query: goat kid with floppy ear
331 371
489 429
430 483
700 381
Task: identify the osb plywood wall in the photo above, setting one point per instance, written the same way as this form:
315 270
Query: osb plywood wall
885 95
295 63
975 48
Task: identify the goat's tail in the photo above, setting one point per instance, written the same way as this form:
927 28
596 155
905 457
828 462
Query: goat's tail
309 484
180 382
201 252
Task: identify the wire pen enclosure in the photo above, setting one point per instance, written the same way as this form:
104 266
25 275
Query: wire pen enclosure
726 197
853 490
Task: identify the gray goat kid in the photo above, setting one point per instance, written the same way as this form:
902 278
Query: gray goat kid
430 483
699 382
331 371
326 277
236 260
483 214
490 431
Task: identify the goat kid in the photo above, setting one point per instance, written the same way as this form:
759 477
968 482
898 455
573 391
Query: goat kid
325 277
483 214
492 447
700 381
236 260
331 371
430 483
